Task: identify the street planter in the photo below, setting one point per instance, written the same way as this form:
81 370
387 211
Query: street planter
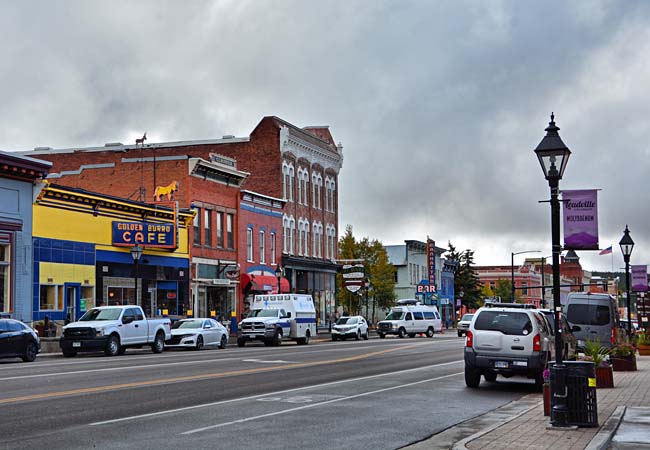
644 349
604 377
547 399
623 363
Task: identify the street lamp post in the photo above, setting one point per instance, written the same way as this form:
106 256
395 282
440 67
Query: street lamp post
278 274
512 269
136 253
627 244
553 156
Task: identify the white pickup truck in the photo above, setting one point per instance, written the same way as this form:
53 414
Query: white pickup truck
113 329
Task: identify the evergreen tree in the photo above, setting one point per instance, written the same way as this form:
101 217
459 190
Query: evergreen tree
466 280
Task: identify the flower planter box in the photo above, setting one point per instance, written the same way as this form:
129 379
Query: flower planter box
644 349
547 399
623 363
604 377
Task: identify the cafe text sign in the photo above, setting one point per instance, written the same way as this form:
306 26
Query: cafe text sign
153 235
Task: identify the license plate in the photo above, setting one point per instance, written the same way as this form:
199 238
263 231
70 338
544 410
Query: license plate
76 344
501 364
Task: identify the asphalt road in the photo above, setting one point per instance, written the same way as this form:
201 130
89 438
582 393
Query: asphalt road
380 394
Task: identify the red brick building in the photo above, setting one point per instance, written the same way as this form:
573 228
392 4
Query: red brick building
278 161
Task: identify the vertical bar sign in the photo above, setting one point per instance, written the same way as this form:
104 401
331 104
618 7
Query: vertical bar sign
580 219
639 278
431 262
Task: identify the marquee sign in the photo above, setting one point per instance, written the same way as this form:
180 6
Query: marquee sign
151 235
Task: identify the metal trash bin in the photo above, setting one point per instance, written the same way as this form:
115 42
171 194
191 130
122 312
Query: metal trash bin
580 380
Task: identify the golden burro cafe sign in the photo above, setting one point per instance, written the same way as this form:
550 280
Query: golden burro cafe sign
153 235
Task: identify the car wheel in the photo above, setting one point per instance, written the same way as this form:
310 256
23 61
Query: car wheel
490 376
30 352
158 345
381 335
241 342
358 336
199 343
112 346
430 332
460 334
277 339
334 338
305 341
365 336
224 341
472 377
67 354
401 333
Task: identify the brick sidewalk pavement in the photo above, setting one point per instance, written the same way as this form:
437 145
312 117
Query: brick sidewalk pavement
529 432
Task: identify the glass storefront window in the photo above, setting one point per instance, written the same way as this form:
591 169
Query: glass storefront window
87 300
5 278
48 297
121 296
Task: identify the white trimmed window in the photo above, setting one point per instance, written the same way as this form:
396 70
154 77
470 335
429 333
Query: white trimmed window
262 243
287 180
273 258
249 244
316 189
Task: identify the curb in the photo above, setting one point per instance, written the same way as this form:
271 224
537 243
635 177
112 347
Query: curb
460 445
604 436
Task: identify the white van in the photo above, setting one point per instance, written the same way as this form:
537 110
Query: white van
410 317
278 317
593 316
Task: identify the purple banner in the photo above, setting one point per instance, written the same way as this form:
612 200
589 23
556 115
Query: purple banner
431 262
580 219
639 278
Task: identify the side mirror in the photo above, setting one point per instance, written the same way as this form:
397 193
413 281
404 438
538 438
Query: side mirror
127 319
576 328
288 316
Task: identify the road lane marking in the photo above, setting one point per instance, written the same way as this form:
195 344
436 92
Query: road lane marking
254 397
263 361
313 405
199 377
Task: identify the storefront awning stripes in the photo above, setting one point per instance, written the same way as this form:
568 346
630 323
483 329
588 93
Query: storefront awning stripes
263 283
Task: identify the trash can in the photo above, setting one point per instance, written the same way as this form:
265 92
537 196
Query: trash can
580 380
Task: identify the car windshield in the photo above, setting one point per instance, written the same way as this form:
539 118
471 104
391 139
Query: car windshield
467 318
101 314
588 314
395 315
346 320
264 313
187 324
507 322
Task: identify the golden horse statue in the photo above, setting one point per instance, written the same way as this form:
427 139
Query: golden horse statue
165 190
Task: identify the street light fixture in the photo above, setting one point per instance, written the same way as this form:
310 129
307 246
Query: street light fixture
512 269
278 274
136 253
553 156
627 245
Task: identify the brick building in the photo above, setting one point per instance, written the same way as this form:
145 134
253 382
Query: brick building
278 160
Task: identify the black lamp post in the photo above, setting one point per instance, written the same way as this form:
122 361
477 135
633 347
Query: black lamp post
512 269
627 244
278 274
136 253
553 156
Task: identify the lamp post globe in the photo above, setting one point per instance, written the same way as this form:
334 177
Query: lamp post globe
553 156
627 245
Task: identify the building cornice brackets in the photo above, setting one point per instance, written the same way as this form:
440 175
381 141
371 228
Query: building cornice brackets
314 154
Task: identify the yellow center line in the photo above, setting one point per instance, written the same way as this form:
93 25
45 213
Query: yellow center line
207 376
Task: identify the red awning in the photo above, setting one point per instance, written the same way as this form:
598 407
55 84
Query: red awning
263 284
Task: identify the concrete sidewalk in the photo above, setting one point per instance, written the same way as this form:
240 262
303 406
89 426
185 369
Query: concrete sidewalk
522 425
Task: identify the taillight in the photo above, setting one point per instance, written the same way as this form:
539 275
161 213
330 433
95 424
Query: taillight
469 340
537 343
613 338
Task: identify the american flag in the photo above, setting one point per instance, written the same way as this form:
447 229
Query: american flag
606 251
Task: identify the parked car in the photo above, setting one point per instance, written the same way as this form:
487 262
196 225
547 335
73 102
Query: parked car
594 317
197 333
410 317
350 326
569 341
463 324
113 329
17 340
507 339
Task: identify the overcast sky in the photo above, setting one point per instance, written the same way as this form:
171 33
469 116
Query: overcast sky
438 104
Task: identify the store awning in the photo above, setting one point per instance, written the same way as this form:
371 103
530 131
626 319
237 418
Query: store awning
263 284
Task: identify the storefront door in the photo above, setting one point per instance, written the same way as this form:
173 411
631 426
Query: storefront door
72 301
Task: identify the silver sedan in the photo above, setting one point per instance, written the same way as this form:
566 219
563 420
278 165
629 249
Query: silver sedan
197 334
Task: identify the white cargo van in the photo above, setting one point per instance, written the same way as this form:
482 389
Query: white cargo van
409 318
278 317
